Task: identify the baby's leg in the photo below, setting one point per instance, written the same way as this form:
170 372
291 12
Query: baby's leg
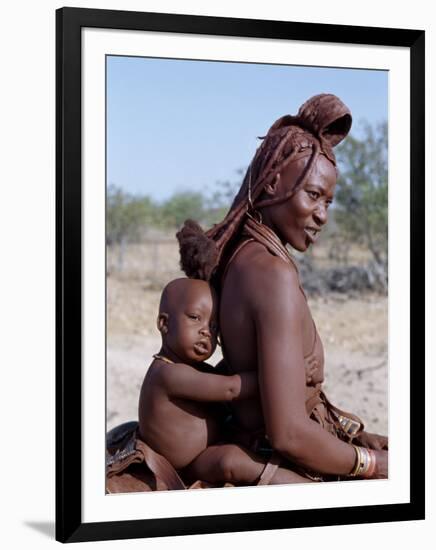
234 464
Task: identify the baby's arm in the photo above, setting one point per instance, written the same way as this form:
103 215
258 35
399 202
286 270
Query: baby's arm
180 380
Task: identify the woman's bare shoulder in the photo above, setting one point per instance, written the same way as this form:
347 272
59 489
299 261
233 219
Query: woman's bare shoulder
264 280
256 264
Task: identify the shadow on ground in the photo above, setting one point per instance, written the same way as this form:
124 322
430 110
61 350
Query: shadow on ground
47 528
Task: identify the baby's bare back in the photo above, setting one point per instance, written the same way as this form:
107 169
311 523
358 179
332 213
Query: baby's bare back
179 429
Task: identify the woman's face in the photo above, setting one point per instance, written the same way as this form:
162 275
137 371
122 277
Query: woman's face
299 220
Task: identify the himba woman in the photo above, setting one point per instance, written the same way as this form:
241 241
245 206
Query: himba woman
265 320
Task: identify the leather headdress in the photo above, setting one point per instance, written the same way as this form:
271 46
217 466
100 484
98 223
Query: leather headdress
322 122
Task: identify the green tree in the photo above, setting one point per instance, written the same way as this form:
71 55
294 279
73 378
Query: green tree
361 196
180 207
126 215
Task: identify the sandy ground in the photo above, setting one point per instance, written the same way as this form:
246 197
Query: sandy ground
353 331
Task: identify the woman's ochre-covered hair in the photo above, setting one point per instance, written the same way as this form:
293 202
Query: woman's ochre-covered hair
322 122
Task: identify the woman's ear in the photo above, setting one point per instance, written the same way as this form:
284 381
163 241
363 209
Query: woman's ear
162 323
272 187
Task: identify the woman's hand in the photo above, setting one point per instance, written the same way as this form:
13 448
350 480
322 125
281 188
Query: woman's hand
372 441
381 467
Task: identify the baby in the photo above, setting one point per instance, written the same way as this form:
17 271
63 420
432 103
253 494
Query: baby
179 404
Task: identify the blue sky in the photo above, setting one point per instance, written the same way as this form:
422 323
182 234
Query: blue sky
177 125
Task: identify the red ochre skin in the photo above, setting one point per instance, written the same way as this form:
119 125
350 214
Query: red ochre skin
177 405
299 220
265 321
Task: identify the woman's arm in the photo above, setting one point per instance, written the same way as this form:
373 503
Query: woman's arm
278 309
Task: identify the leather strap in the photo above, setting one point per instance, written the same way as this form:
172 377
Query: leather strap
160 467
270 469
124 448
348 423
313 401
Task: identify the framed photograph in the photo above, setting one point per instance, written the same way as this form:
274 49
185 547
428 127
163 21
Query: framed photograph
158 119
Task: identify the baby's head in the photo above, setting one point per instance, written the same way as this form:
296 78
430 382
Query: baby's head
187 320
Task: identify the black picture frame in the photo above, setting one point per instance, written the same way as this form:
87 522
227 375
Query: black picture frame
69 22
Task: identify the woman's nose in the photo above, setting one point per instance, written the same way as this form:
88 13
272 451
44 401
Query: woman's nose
320 214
